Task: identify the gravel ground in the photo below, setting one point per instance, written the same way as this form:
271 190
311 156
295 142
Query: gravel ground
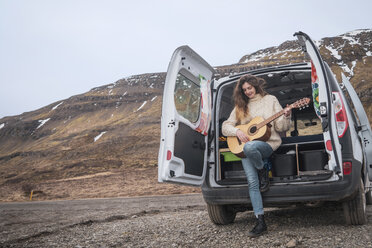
191 227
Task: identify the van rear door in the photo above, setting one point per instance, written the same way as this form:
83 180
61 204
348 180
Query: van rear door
364 128
326 102
185 120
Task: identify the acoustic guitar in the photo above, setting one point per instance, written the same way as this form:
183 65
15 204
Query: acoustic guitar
259 128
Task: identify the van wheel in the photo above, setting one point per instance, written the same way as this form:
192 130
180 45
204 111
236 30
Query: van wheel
355 208
221 214
369 197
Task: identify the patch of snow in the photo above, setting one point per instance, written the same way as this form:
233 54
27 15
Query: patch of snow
125 93
318 43
353 64
347 70
155 76
351 40
99 136
261 54
369 53
334 52
154 98
358 31
42 122
2 125
57 106
110 92
143 104
110 86
69 118
152 85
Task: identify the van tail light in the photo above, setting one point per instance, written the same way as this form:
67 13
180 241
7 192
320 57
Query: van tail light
340 113
347 166
169 155
329 145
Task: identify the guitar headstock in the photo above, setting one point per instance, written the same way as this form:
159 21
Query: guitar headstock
302 103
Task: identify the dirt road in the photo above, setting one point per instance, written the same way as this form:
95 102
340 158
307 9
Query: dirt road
169 221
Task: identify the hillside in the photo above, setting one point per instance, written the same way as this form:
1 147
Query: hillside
104 143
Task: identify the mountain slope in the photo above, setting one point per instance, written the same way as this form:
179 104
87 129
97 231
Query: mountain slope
105 142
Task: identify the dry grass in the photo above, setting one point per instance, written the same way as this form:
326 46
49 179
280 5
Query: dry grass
131 181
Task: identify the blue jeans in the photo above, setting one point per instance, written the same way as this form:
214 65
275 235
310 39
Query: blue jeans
255 151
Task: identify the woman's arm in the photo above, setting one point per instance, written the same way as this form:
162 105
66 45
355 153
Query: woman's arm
283 123
228 126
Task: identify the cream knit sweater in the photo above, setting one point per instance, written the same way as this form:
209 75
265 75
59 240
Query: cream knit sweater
265 107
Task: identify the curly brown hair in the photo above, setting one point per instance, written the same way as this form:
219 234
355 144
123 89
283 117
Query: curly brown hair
241 100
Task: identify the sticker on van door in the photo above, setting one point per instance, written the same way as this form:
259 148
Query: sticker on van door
315 87
205 110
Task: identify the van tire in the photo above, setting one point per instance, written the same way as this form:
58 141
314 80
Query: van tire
221 214
369 197
355 208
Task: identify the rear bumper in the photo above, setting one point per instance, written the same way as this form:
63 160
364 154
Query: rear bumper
289 193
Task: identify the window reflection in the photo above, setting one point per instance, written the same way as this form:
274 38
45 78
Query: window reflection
187 98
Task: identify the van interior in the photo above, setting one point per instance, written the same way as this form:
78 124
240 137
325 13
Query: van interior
301 156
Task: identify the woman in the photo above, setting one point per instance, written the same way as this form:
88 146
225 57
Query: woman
251 101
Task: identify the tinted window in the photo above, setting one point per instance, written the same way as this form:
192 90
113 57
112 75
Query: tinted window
187 96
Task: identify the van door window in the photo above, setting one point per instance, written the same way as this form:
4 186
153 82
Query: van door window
187 96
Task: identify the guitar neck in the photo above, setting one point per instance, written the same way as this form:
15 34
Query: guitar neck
270 119
297 104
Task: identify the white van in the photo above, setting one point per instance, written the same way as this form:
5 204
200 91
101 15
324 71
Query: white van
325 156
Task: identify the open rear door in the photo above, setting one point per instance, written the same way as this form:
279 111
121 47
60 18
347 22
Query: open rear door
185 121
365 132
324 101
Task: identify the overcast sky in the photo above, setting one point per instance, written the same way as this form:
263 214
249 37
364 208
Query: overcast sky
51 50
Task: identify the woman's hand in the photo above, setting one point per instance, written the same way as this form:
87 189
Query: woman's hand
287 111
242 136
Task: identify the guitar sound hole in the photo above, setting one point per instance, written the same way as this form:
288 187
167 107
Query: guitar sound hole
253 129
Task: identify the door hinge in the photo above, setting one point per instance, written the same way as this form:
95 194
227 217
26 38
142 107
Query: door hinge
323 109
209 164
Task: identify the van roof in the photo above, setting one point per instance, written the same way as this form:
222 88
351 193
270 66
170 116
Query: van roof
296 66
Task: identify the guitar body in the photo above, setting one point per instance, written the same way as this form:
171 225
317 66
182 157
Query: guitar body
254 133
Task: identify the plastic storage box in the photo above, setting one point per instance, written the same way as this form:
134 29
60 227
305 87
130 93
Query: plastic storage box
312 160
284 165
